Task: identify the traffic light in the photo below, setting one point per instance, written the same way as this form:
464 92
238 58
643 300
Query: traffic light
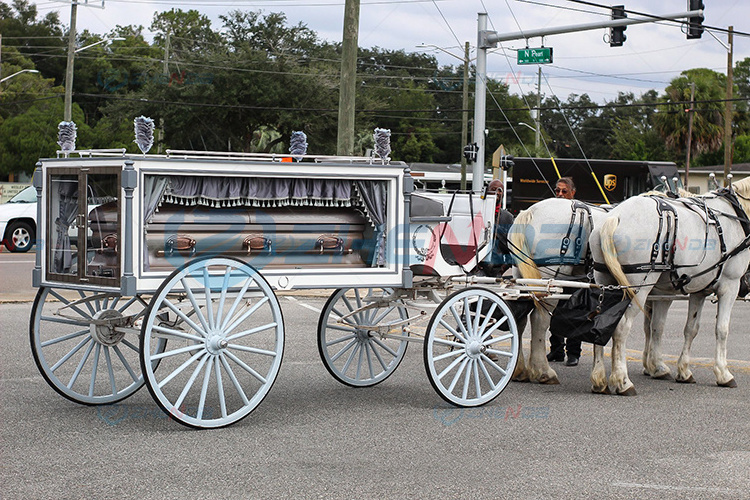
506 162
695 28
617 33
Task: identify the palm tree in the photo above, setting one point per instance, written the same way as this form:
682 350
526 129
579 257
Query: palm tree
671 122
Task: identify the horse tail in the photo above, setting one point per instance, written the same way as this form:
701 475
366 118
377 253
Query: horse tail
520 247
606 235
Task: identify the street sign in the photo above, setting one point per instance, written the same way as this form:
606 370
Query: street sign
541 55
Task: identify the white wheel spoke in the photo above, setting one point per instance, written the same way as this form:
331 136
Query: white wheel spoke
181 368
65 321
204 388
451 343
196 307
70 353
383 364
475 372
125 363
245 367
487 319
94 368
65 337
174 352
245 315
459 372
451 366
85 357
252 331
220 388
462 336
342 351
191 381
467 378
110 372
486 373
169 332
223 296
254 350
340 340
209 302
233 377
182 316
384 347
237 301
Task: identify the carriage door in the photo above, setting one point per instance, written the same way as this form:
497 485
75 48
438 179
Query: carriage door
83 239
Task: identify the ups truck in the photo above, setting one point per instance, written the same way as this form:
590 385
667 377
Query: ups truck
534 179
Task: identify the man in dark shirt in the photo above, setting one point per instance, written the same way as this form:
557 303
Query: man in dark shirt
565 188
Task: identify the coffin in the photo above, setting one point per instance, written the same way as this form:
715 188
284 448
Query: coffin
278 237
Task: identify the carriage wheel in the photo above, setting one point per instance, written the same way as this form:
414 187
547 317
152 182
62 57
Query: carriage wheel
226 339
85 343
352 351
468 358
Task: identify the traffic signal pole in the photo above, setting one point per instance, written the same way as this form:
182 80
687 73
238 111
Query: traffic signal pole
489 39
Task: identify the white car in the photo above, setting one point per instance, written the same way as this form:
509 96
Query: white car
18 221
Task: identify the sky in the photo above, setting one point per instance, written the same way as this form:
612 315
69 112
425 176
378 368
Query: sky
652 55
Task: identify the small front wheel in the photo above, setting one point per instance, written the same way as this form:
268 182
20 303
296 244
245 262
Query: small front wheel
468 359
355 341
226 339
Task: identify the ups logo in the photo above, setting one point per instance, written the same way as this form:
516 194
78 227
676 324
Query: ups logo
610 182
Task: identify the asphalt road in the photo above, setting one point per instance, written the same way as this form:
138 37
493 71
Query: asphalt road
315 438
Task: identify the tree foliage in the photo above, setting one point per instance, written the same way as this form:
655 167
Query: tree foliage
248 84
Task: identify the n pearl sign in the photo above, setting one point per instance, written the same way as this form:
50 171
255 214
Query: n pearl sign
541 55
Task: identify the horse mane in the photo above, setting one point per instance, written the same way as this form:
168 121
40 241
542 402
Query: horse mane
521 249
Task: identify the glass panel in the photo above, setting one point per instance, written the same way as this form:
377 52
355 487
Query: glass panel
102 215
63 232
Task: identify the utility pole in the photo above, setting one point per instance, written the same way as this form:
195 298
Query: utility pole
538 111
68 113
465 115
690 132
728 109
165 70
348 85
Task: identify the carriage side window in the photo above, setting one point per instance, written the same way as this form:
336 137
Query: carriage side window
63 211
268 221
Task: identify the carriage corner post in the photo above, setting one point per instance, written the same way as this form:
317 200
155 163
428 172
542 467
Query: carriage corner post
37 181
129 183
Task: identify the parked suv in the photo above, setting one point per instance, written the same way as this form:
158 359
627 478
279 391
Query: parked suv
18 221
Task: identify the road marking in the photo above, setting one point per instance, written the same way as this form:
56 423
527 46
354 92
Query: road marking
666 487
19 262
306 306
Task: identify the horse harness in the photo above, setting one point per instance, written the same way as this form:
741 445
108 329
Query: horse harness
580 211
668 228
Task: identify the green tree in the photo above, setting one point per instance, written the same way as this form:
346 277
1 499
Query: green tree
672 122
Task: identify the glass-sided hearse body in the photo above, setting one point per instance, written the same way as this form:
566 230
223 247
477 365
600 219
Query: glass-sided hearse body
172 262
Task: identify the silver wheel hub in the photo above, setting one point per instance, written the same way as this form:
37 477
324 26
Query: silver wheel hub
103 329
215 344
474 349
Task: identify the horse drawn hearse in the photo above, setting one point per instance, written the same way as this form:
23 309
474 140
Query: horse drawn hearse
163 270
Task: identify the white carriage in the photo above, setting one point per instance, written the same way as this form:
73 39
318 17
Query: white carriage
164 270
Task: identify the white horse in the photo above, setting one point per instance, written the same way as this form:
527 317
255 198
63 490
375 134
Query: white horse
549 240
691 246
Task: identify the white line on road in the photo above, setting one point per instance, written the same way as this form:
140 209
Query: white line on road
306 306
19 262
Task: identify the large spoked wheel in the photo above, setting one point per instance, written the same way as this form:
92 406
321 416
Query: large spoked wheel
225 338
349 343
468 358
85 344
